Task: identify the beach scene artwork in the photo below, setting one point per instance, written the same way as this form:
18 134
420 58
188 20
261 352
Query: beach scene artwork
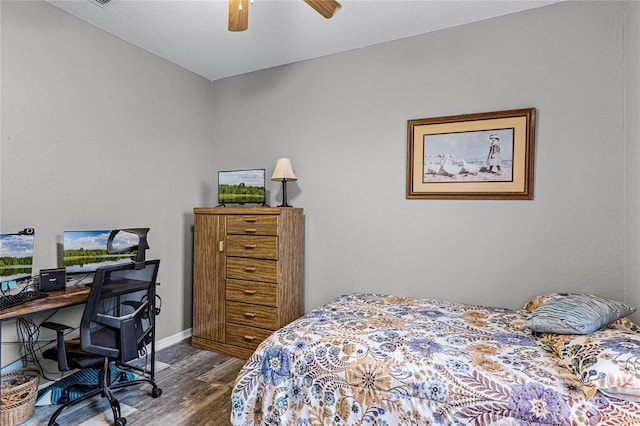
477 156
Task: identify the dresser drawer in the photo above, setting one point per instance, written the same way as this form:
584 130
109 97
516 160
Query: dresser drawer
252 315
257 220
259 247
252 230
252 225
246 337
242 268
252 292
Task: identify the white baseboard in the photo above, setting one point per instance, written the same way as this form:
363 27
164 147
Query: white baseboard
172 340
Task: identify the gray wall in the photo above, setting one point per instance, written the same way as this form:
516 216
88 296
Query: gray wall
97 133
342 120
632 155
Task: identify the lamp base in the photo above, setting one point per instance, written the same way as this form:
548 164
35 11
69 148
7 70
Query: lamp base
284 194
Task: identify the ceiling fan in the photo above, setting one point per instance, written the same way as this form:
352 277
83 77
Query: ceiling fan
239 11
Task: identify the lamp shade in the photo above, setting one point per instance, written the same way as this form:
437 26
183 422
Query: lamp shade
283 171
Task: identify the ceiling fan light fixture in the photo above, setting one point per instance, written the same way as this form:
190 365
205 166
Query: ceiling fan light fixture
238 15
325 8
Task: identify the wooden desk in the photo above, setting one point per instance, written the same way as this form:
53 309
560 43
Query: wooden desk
55 300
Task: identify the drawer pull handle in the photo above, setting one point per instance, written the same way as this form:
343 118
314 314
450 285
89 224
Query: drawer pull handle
250 230
249 292
249 246
249 314
250 219
249 338
250 269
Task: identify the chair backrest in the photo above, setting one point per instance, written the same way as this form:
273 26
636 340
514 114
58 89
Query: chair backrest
120 313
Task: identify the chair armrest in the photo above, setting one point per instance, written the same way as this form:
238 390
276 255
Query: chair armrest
60 330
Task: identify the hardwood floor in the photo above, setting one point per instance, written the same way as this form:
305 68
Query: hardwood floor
196 389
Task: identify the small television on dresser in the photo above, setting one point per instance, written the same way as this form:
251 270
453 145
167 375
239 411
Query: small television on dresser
241 187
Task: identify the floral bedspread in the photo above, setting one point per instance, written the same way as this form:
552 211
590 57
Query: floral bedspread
366 359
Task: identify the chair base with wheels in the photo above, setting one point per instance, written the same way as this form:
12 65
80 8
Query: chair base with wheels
104 387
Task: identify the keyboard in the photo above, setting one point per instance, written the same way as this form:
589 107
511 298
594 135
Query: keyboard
10 300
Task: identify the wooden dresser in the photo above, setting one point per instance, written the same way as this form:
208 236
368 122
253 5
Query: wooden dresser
247 277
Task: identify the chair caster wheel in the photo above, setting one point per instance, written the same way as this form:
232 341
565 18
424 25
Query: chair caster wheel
120 422
156 392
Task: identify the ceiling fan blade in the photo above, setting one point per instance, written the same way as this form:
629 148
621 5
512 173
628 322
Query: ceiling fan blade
238 15
325 8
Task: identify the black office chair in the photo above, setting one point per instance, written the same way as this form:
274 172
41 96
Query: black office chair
117 325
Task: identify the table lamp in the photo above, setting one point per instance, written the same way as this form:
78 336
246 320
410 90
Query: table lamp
284 172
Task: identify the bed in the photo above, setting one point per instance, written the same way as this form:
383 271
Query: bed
369 359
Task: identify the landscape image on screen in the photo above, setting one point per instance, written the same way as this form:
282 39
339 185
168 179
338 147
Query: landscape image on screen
85 251
241 186
16 256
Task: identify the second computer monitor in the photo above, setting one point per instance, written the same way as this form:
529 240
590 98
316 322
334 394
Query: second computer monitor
86 251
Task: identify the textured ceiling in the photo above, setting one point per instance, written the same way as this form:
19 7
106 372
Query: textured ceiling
193 34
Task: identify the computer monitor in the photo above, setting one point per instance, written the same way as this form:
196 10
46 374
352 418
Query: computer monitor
16 255
86 251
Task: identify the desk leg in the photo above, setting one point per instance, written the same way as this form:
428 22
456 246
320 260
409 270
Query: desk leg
0 358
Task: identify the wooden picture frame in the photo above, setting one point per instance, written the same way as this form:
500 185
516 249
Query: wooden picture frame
472 156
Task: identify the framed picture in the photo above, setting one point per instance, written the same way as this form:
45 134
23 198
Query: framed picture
472 156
